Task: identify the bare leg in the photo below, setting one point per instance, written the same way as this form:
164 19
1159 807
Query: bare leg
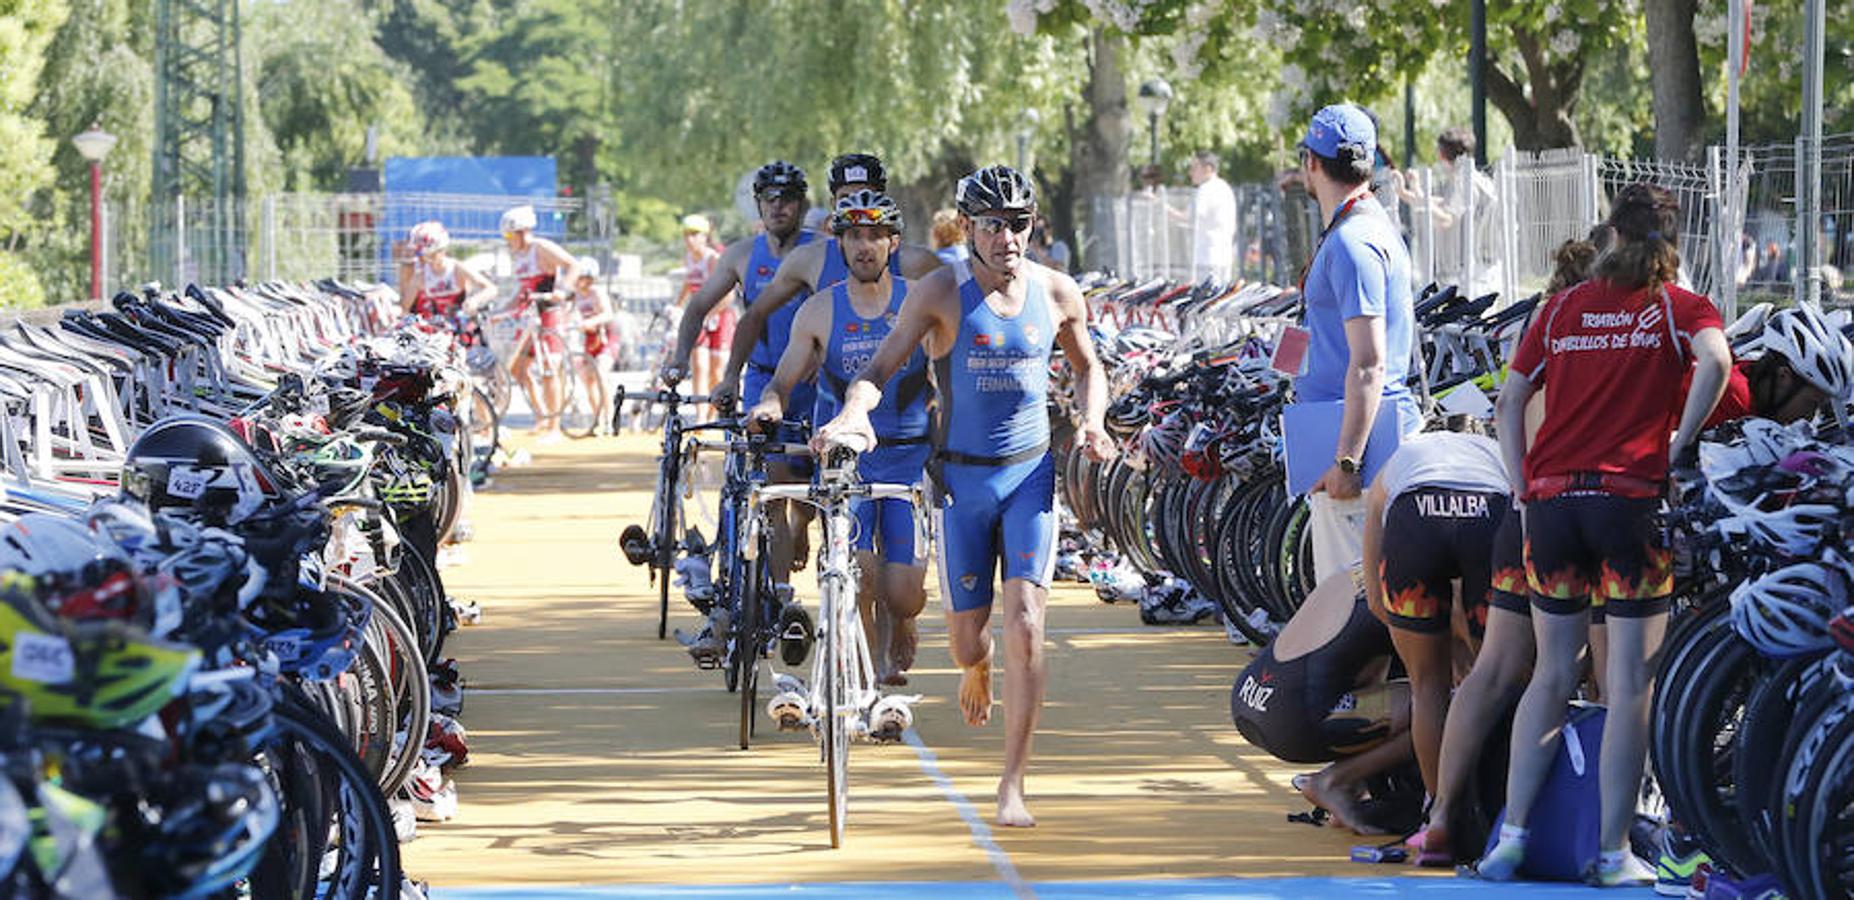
1025 606
1625 732
1335 788
969 639
1426 656
1500 672
1538 724
1599 661
868 598
521 368
903 586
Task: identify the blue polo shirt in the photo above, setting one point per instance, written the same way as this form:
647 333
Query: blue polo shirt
1362 269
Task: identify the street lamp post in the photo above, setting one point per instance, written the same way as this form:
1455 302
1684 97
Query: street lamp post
1154 96
93 145
1030 120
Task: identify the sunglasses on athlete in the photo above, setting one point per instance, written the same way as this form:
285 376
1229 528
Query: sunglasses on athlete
1000 224
775 195
865 216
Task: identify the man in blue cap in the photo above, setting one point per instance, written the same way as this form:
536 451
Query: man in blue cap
1359 324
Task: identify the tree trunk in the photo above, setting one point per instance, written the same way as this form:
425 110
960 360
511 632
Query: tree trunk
1673 57
1540 111
1100 144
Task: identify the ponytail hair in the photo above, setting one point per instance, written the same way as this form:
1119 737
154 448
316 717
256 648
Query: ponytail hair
1570 265
1646 253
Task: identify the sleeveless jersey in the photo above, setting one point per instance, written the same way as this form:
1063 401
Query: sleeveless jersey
533 280
439 292
835 269
902 414
761 267
994 383
586 306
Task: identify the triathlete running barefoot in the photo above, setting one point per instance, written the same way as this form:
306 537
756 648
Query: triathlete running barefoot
990 329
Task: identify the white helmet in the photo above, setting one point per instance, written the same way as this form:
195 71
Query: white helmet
521 218
41 544
1815 350
588 267
1794 531
428 237
1786 613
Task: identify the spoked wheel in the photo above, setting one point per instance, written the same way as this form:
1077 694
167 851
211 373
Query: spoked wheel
747 644
836 747
584 410
485 426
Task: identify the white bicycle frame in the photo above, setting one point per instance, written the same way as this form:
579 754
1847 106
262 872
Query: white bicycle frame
838 612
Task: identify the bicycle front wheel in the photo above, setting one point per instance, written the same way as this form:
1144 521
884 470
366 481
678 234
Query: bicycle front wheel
586 406
837 706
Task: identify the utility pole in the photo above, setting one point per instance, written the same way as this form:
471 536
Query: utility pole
199 147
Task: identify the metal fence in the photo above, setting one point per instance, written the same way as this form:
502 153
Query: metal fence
1497 229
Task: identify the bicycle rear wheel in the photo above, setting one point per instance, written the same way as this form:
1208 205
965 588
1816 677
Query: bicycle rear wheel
747 644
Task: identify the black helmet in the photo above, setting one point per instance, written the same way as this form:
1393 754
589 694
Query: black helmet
192 462
858 168
995 189
865 207
781 176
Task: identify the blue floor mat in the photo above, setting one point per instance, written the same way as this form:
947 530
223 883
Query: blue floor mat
1181 889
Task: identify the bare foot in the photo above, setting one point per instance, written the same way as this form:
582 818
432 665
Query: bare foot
1012 813
975 693
1320 791
801 548
894 678
906 639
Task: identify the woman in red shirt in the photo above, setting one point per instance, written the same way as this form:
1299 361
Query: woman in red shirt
1613 352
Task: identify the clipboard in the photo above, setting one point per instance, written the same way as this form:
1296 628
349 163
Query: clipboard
1310 434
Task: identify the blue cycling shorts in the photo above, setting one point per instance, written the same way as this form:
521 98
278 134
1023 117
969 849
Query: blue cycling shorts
992 518
886 526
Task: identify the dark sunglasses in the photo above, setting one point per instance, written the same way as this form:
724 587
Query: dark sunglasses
1000 224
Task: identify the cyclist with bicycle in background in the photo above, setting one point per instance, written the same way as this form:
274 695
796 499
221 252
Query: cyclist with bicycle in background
833 335
989 330
699 256
539 264
593 315
780 189
434 286
760 336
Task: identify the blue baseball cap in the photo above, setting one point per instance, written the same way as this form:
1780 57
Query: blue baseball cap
1340 125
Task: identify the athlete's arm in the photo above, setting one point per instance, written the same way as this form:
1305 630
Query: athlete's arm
787 283
408 294
1510 425
1090 379
931 304
553 258
800 361
721 281
604 304
1375 501
1712 362
479 291
918 262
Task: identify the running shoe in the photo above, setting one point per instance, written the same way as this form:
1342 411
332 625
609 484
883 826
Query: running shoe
1630 872
693 576
446 743
405 819
709 644
1720 886
468 612
433 796
1681 858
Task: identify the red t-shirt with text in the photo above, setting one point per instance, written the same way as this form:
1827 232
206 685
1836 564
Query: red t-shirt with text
1735 403
1616 361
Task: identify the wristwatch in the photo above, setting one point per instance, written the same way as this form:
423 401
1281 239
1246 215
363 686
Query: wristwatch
1347 464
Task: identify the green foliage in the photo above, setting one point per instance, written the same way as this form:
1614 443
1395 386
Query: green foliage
26 29
19 284
317 114
1770 94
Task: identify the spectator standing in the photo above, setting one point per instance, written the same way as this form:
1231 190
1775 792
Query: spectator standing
1359 329
1213 220
948 236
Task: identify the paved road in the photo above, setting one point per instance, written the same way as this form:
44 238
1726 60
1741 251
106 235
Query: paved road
600 756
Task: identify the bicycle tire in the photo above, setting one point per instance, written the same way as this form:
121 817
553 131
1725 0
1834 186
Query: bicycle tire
485 428
747 647
1768 711
411 682
1828 836
669 476
361 808
581 413
836 739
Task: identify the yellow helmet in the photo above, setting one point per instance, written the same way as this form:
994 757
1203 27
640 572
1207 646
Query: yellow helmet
94 674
